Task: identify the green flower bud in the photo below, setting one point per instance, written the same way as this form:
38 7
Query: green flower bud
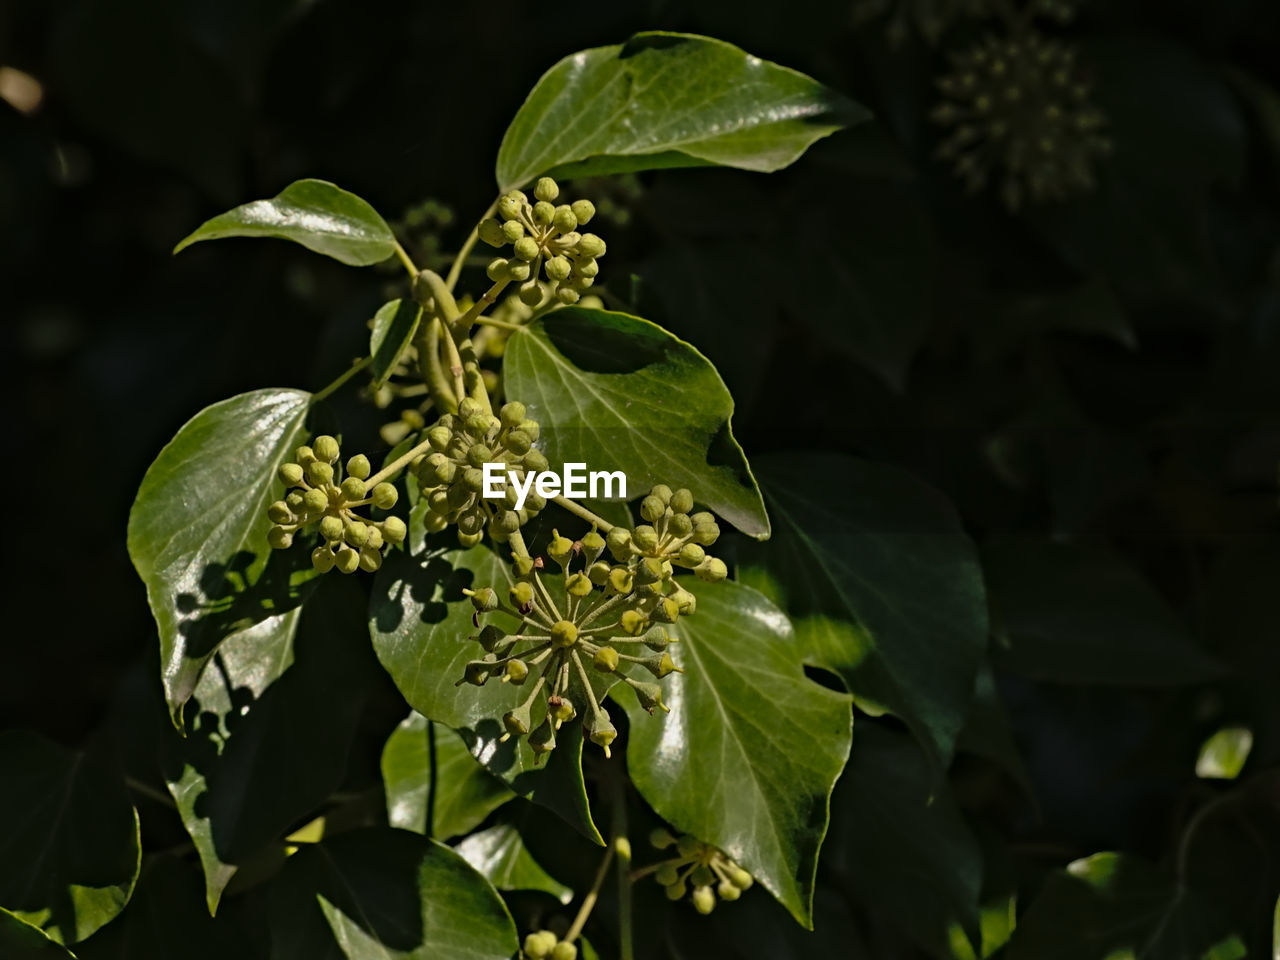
681 501
526 248
646 538
598 573
518 442
691 555
518 270
740 878
701 876
478 455
476 672
648 694
498 269
473 479
656 638
543 212
370 559
375 538
531 428
633 622
605 660
296 502
439 437
353 489
706 533
517 721
649 571
358 467
567 295
394 530
679 524
564 219
332 528
484 599
326 449
433 523
563 633
564 950
534 462
491 636
279 512
660 664
676 890
602 732
512 230
652 509
619 542
712 569
584 210
290 474
279 538
507 521
385 496
530 293
475 426
347 560
560 549
668 873
511 414
543 738
471 521
521 594
319 473
546 189
558 268
621 581
538 946
728 891
591 246
660 838
490 231
560 710
704 900
322 559
356 533
517 671
689 846
665 610
587 268
509 207
304 455
316 501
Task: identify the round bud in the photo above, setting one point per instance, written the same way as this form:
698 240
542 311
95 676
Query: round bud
469 540
331 528
469 407
564 219
319 473
521 594
632 622
531 293
512 413
543 738
434 523
471 521
688 846
512 230
322 559
519 271
681 501
370 559
484 599
522 566
473 479
490 231
598 573
704 900
326 449
660 838
356 533
526 248
712 569
290 474
740 878
567 295
518 442
498 269
646 537
706 534
385 496
304 455
559 268
560 549
619 543
591 246
517 671
316 501
279 538
560 710
603 732
691 555
652 509
538 946
675 890
584 210
517 721
728 891
588 268
507 521
564 950
656 638
279 512
358 467
563 633
347 560
546 189
621 581
679 524
353 489
295 501
665 611
605 660
543 212
439 437
393 530
508 208
578 585
535 462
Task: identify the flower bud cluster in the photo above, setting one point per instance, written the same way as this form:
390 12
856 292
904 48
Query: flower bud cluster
1020 110
544 239
932 18
545 945
699 870
671 535
320 494
451 477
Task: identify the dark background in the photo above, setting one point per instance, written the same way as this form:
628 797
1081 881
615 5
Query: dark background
1104 370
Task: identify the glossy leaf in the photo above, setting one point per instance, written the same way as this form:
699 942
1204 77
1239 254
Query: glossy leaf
272 720
500 854
751 749
619 393
69 846
882 584
380 894
198 531
1224 754
466 793
1073 614
900 844
315 213
19 940
667 100
421 624
394 325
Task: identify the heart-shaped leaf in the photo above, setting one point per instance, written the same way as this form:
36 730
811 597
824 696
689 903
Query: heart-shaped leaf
500 854
315 213
383 894
619 393
198 531
751 749
422 625
394 325
69 847
466 793
882 584
667 100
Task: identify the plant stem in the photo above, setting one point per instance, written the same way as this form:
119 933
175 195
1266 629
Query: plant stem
589 901
621 844
397 464
581 511
435 775
429 363
342 378
455 270
500 324
464 323
137 786
404 258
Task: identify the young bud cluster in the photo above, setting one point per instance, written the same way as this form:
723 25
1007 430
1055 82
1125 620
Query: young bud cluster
1020 110
545 945
319 493
699 870
545 240
671 535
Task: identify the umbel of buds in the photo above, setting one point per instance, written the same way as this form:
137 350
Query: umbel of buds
320 494
670 535
544 238
1019 111
451 477
699 870
545 945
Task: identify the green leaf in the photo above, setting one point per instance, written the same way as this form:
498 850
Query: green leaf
421 624
1074 614
1275 936
267 741
667 100
1110 905
882 584
1224 754
900 843
751 749
69 846
19 940
466 793
987 733
315 213
500 854
198 531
394 325
380 894
619 393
